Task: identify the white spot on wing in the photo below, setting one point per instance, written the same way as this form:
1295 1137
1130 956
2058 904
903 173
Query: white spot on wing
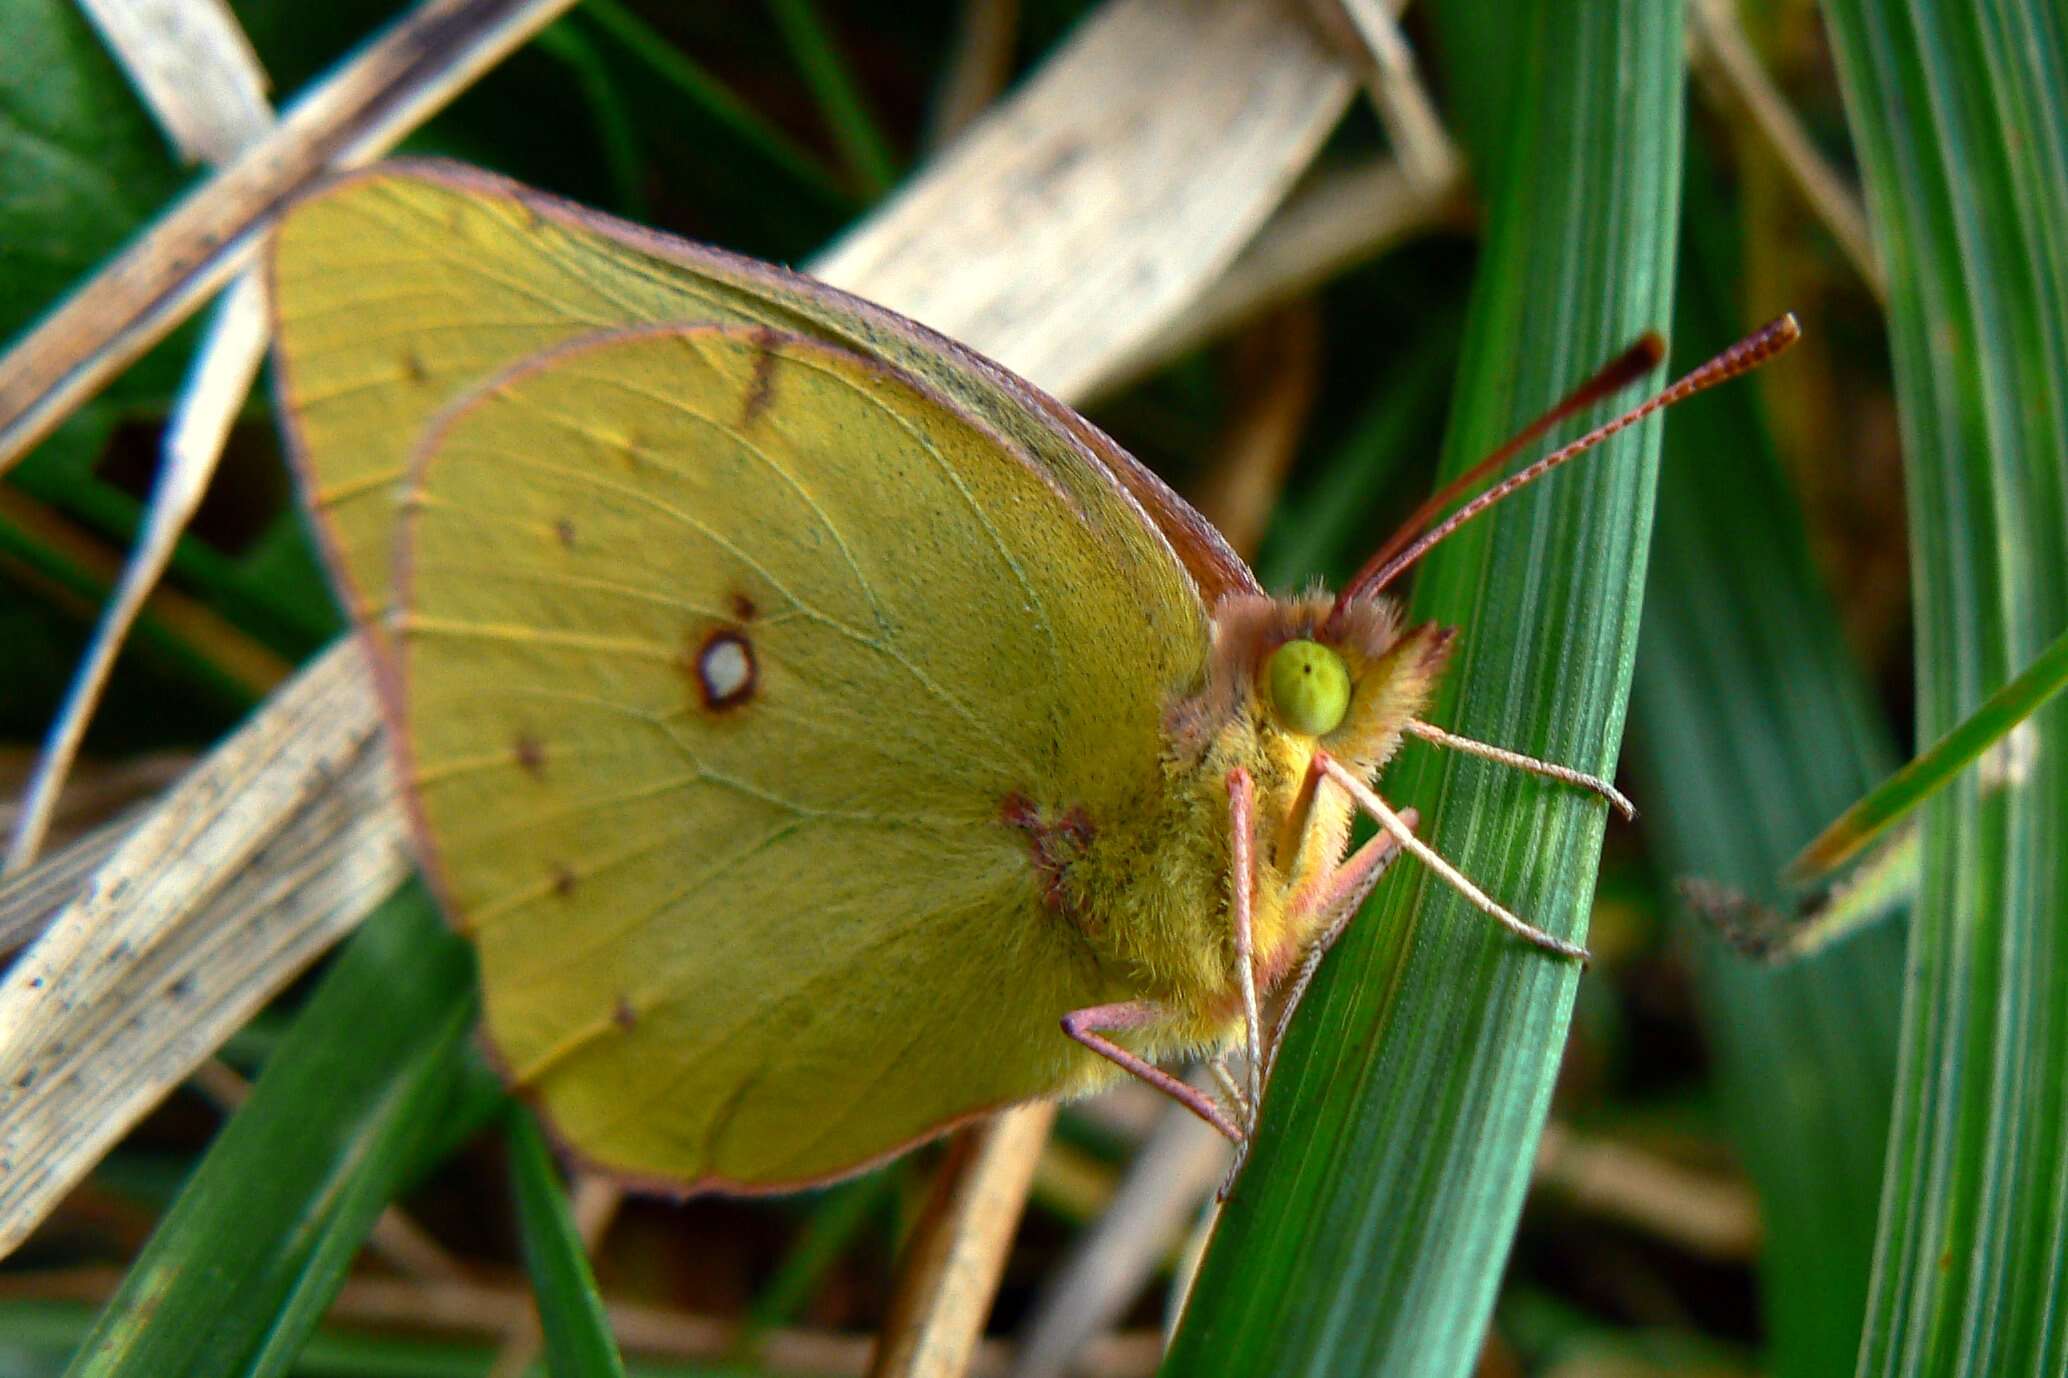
725 668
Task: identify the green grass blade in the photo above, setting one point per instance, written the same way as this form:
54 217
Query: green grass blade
242 1267
1894 799
840 101
1750 724
1960 115
1369 1231
578 1338
617 124
709 94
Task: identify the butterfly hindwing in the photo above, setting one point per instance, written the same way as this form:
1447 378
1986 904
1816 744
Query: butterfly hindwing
723 655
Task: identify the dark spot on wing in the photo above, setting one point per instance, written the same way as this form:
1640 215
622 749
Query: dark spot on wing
623 1015
564 530
413 366
761 388
531 754
1054 842
743 607
563 881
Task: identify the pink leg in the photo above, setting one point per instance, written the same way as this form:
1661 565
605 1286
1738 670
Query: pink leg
1087 1025
1242 880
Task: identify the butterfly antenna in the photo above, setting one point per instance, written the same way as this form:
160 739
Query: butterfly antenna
1406 546
1618 373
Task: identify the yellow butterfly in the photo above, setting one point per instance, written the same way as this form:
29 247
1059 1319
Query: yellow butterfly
824 736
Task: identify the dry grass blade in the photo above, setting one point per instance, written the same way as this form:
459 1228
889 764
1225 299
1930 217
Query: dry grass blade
27 905
1419 140
1076 219
262 858
1276 374
191 63
951 1267
230 651
357 113
97 791
1699 1211
484 1310
1730 72
1175 1173
222 379
1335 222
978 71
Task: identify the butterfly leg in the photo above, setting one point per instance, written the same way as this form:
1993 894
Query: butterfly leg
1242 881
1368 800
1089 1027
1579 779
1232 1095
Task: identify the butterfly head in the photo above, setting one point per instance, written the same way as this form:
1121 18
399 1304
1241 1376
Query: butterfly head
1296 675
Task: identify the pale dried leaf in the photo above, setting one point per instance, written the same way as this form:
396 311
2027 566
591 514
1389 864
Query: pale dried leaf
28 904
949 1274
269 852
193 67
1332 224
1095 204
208 405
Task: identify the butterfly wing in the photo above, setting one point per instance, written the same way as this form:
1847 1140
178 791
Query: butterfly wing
398 288
760 940
724 655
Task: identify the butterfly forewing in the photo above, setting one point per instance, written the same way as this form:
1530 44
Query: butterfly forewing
400 288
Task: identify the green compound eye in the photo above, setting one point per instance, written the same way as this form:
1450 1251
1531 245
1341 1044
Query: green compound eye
1310 686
